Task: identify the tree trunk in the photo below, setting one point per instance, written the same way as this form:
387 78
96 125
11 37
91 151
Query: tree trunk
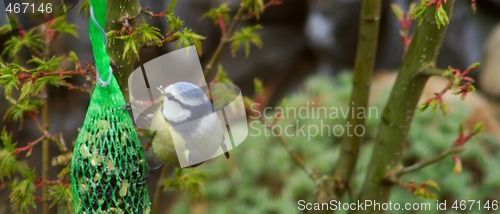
400 109
363 69
122 68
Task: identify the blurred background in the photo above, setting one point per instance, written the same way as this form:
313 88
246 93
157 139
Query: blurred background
308 56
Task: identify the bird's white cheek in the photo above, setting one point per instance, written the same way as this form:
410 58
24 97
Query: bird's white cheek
174 112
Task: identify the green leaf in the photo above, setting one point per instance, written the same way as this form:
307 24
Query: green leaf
49 65
26 90
8 77
65 171
187 38
130 47
447 72
412 7
172 6
189 180
433 184
397 11
434 103
7 163
423 107
444 108
61 25
255 6
419 11
174 23
441 17
456 82
21 196
222 75
245 36
111 37
461 128
84 7
73 57
43 82
6 139
424 193
17 111
479 127
5 28
16 43
144 33
475 65
60 194
149 34
214 14
258 86
248 101
471 88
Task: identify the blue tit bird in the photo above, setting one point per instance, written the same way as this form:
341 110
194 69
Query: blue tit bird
186 130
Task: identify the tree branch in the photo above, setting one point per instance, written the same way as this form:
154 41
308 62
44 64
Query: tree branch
363 69
296 157
155 206
147 11
117 9
450 151
431 71
30 145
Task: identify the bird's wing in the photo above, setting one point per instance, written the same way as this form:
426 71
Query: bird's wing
162 142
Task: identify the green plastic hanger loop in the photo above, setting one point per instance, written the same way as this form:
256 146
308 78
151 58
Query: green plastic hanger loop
99 41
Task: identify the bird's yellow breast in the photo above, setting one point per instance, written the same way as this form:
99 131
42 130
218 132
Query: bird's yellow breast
162 144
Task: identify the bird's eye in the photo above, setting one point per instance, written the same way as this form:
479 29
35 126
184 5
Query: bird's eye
169 96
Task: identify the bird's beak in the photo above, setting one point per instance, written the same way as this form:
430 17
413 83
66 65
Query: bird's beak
160 88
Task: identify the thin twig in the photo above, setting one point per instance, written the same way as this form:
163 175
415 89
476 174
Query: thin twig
224 41
452 150
57 182
82 89
297 158
45 132
30 145
27 75
150 13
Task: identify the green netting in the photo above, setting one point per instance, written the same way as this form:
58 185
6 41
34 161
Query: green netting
108 167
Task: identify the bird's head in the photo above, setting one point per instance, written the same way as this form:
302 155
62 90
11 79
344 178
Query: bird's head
181 99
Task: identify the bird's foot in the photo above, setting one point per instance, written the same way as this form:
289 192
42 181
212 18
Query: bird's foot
126 107
152 170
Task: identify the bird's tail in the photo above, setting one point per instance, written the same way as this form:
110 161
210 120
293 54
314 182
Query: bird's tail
224 149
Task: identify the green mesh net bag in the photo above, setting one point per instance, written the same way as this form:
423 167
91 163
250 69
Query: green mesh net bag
108 167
